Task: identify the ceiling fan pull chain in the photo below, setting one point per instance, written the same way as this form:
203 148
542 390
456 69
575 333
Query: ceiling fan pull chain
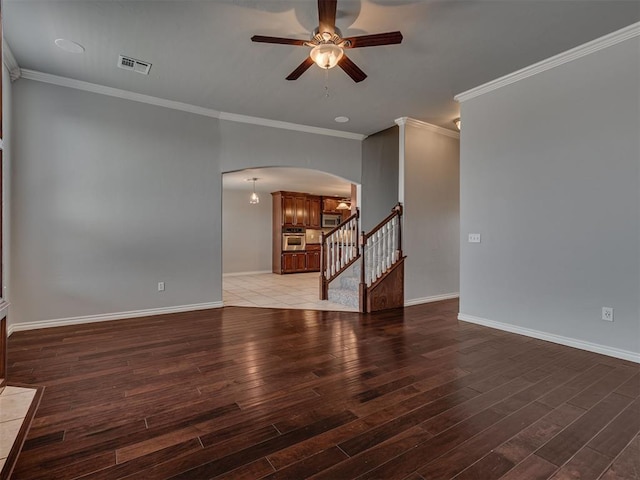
326 83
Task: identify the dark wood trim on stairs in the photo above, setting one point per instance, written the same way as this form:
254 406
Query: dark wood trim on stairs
388 291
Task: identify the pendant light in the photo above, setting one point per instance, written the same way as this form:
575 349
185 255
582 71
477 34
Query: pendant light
253 199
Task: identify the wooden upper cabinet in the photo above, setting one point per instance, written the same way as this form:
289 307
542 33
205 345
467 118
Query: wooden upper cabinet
330 205
288 210
314 211
295 212
301 211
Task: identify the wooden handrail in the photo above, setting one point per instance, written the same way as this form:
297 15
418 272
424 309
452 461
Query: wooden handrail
324 281
397 210
335 229
369 279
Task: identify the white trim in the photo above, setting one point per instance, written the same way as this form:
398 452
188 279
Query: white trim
401 150
60 322
266 122
550 337
116 92
240 274
10 62
185 107
427 126
434 298
565 57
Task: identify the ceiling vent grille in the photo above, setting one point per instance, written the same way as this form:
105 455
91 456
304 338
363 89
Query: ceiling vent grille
128 63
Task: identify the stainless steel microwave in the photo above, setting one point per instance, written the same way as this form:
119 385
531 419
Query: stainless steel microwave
331 220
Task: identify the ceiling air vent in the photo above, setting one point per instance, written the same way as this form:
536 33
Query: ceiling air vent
128 63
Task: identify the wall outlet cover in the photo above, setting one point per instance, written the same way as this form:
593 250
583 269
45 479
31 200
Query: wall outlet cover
474 238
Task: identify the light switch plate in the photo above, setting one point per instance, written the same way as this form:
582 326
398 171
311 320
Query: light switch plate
474 238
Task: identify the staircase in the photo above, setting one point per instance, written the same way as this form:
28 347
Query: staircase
364 270
345 290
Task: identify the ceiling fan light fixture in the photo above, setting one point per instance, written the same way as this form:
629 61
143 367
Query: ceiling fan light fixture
326 55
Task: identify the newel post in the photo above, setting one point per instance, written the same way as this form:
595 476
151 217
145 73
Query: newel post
398 209
363 283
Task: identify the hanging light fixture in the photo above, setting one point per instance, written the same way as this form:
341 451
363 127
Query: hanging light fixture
457 122
253 199
343 206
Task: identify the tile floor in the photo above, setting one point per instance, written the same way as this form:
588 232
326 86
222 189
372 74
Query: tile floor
14 405
298 290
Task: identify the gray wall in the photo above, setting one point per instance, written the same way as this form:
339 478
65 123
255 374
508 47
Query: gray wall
110 197
551 179
431 214
246 232
379 176
246 145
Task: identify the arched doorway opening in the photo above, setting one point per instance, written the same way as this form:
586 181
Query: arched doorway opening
251 236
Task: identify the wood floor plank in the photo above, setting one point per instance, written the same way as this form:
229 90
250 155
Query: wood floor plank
627 465
270 393
564 445
532 468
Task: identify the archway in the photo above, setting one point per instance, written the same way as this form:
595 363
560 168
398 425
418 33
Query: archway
249 233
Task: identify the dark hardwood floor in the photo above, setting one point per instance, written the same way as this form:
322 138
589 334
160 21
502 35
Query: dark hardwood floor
267 393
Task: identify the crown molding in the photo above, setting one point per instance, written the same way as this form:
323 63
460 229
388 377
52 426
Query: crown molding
596 45
10 62
266 122
427 126
116 92
185 107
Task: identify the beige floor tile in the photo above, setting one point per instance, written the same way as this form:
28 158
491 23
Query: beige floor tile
15 406
8 433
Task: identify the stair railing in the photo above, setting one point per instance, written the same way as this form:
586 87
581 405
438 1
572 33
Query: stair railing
340 249
381 249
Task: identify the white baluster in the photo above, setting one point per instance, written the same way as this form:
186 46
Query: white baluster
385 254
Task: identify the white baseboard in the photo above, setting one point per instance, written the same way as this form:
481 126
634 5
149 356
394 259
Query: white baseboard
434 298
61 322
240 274
550 337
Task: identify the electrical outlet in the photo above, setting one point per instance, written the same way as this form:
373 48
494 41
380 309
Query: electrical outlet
474 238
161 286
607 314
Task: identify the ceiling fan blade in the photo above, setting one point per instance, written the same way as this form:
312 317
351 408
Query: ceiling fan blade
278 40
303 67
351 69
389 38
327 16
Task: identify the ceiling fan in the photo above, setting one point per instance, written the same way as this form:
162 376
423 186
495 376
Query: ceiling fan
328 45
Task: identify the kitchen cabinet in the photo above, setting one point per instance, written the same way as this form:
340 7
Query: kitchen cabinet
314 212
313 261
294 210
294 262
313 257
330 205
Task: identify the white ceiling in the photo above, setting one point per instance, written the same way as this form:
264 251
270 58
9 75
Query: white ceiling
202 54
274 179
